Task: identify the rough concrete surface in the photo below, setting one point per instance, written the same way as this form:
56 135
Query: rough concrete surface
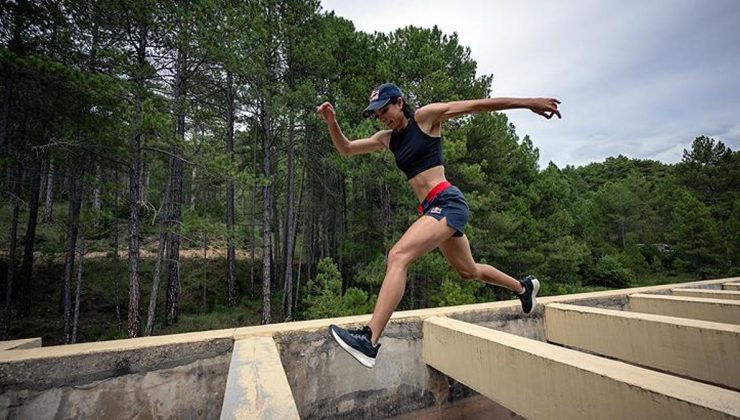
78 369
191 391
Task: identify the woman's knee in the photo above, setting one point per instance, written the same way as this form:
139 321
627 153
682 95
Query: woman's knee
468 273
399 257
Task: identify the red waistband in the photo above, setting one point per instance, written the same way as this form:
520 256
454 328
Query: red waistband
433 193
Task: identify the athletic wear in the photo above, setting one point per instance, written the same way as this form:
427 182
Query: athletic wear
357 343
446 200
529 296
415 151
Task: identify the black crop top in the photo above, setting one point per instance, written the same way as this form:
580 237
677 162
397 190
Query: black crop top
415 151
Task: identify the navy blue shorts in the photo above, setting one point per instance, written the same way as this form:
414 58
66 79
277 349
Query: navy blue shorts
449 203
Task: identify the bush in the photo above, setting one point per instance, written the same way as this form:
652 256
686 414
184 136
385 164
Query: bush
324 297
610 272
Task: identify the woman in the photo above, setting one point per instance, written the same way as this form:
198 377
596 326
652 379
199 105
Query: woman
415 140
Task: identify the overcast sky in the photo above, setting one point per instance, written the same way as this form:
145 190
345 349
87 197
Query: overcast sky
641 78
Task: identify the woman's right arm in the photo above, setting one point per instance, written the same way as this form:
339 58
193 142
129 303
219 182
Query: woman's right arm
345 147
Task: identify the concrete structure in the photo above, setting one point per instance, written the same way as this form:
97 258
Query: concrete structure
539 380
731 286
702 350
257 387
715 310
707 293
193 375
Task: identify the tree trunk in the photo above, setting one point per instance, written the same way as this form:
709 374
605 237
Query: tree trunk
173 245
79 287
205 272
300 266
96 189
253 216
29 246
276 247
49 203
173 249
134 291
116 261
13 189
74 216
134 295
144 179
289 230
7 98
193 174
266 223
230 248
152 311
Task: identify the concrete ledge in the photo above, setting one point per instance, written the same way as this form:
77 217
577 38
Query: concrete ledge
26 343
702 350
73 369
257 387
707 293
714 310
544 381
731 286
65 350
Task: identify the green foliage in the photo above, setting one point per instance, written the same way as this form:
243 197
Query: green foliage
695 236
324 297
451 293
609 271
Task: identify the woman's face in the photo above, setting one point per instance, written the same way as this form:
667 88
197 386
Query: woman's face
391 115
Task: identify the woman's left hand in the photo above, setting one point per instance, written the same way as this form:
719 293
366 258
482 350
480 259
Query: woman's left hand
547 107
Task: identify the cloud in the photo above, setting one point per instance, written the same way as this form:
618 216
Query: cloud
641 79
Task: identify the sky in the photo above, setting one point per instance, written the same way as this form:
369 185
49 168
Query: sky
641 78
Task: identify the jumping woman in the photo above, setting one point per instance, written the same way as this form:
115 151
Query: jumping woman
415 140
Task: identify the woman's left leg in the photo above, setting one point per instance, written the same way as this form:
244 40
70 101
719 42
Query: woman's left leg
457 252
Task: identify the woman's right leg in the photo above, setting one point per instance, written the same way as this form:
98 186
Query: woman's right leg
421 237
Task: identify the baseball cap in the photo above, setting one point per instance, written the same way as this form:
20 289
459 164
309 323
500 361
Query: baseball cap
380 97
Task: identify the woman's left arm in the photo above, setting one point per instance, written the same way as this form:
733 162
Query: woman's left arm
438 112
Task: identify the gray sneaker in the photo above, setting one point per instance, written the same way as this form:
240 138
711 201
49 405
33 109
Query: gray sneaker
357 343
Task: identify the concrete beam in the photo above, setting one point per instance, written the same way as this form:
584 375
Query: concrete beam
702 350
26 343
714 310
707 293
731 286
543 381
257 387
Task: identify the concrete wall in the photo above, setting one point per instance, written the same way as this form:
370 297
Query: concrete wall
181 376
191 391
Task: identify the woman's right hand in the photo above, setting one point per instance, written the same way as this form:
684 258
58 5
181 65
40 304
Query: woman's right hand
326 110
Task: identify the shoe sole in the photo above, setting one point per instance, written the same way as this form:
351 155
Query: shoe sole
358 355
535 289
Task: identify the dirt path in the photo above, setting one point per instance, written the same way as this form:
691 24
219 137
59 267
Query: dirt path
149 253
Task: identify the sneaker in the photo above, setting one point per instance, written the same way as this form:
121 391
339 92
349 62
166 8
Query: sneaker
529 296
357 343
